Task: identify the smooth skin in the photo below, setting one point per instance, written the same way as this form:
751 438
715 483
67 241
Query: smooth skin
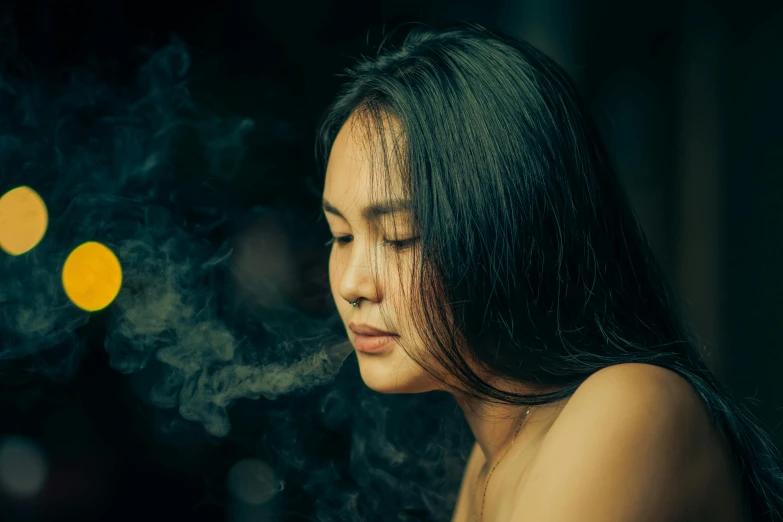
634 444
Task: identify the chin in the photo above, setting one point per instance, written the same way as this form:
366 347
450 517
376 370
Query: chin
394 373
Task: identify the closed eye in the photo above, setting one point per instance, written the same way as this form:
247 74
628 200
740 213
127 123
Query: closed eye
398 245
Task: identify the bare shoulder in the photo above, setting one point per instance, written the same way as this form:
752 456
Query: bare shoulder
636 384
625 447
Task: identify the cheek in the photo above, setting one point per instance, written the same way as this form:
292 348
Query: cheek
397 279
334 275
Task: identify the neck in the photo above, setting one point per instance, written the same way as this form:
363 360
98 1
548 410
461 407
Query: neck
495 426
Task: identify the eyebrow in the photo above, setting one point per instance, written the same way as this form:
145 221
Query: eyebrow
374 211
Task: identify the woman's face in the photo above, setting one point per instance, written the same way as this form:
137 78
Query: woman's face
358 251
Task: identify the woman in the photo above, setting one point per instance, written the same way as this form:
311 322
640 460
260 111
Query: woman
479 223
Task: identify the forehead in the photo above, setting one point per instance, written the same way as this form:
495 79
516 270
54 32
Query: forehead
349 159
358 153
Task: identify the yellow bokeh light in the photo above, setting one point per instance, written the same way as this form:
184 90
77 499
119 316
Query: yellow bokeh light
92 276
23 220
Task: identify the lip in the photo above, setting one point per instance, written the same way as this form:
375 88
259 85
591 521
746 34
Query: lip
373 343
367 330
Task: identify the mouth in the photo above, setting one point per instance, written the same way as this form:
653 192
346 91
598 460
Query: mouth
374 344
367 330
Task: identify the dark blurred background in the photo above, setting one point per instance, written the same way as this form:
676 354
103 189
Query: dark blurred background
686 93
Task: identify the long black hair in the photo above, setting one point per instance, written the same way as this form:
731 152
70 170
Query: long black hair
530 263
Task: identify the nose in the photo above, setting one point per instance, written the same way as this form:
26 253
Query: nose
356 275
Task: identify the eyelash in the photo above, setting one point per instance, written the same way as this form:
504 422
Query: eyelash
399 245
